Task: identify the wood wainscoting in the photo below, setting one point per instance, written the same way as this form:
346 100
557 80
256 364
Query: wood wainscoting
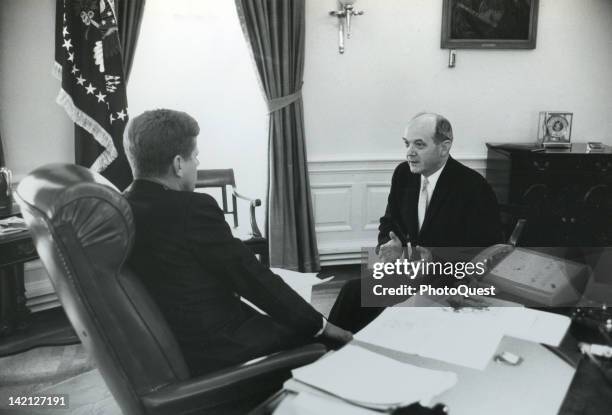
349 196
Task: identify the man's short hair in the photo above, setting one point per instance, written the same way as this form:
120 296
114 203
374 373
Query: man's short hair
152 140
443 128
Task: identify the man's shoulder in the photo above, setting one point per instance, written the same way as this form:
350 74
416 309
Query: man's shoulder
402 173
177 201
464 174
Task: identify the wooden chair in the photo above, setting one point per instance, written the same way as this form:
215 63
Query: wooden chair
224 180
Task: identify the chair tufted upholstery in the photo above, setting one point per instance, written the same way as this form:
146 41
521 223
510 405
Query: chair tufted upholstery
83 231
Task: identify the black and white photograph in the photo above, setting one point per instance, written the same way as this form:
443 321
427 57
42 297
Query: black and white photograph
305 207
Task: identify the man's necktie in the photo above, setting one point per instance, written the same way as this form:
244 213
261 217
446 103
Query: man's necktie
423 200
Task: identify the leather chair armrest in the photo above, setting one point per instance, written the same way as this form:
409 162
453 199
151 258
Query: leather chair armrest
231 385
253 204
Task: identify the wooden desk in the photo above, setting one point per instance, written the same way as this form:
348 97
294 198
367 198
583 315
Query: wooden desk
15 249
21 330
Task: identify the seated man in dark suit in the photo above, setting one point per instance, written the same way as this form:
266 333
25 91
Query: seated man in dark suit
196 271
434 201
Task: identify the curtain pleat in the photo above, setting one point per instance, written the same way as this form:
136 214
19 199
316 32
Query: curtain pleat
275 32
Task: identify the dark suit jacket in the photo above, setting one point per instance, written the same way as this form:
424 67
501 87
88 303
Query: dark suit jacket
462 211
186 256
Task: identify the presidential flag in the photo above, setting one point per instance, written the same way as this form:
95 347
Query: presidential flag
88 62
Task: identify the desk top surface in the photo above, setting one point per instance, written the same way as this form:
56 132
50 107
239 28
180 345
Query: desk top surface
537 386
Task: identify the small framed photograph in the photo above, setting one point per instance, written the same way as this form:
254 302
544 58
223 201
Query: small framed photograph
489 24
555 129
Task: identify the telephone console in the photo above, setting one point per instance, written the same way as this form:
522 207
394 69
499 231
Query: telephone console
532 277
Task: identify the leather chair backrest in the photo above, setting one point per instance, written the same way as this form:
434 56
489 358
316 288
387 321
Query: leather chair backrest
83 231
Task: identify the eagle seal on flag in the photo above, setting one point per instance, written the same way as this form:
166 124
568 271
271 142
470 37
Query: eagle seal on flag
88 62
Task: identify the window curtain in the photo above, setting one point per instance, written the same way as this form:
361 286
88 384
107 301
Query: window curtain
1 153
275 33
86 148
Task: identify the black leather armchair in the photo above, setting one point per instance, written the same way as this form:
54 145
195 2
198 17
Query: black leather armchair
83 231
223 179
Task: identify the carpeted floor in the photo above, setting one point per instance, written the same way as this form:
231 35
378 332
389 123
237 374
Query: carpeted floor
69 370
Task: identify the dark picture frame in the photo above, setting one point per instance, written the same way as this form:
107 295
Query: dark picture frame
489 24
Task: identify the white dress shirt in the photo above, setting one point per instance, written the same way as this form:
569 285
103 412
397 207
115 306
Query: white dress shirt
432 180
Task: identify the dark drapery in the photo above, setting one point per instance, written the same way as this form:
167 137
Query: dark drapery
129 17
1 152
275 32
86 148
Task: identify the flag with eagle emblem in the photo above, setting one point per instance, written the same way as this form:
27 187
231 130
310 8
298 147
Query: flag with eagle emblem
88 62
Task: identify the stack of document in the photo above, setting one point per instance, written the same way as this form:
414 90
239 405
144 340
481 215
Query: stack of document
360 377
11 225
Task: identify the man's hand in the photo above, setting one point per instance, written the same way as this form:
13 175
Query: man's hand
392 250
336 334
423 253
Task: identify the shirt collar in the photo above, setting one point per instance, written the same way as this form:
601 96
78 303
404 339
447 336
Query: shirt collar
433 178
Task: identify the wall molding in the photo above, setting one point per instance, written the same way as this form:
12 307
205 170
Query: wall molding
355 224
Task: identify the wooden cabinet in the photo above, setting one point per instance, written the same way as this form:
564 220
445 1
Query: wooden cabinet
565 195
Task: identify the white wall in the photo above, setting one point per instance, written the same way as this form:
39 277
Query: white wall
192 56
356 104
34 129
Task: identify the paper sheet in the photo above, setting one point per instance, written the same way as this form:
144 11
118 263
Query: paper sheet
467 337
300 282
537 326
370 379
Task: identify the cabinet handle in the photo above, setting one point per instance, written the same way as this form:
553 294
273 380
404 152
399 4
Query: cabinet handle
541 165
563 219
573 220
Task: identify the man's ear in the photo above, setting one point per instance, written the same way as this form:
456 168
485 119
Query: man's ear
445 147
177 166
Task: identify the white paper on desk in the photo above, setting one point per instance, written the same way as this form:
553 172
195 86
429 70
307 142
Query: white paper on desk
536 326
301 282
370 379
309 404
467 337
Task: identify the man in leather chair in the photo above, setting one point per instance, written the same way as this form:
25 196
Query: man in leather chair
194 268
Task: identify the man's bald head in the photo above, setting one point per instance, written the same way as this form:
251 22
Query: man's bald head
440 126
428 138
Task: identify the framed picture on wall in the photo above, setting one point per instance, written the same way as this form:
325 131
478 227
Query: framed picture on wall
489 24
